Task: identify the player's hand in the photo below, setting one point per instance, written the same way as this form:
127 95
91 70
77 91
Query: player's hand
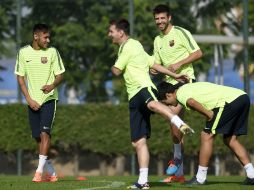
182 78
33 104
153 71
174 67
185 129
47 88
210 115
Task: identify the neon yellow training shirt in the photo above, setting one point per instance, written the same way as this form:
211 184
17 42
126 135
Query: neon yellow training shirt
135 63
173 47
208 94
40 68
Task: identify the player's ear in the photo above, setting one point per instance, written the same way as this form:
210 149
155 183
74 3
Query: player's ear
122 33
36 36
169 18
167 95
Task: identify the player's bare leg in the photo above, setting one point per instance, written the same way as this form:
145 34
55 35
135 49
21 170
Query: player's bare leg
44 144
143 160
168 114
175 165
205 153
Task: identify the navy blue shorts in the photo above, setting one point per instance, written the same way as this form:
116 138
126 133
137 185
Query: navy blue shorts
140 114
42 119
232 119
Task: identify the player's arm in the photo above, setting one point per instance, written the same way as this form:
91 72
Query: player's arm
33 104
164 70
190 59
195 105
116 71
48 88
122 61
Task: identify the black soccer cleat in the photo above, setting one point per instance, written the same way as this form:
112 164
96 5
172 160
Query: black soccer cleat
248 181
194 181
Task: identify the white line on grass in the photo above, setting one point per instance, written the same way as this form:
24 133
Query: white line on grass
114 184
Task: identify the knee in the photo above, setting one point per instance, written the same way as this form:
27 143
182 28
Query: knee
134 144
44 136
229 141
139 143
152 105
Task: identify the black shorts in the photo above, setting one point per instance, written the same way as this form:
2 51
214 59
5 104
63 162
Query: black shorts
232 119
42 120
140 114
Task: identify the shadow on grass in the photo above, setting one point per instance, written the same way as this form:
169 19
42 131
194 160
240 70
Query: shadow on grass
223 182
182 185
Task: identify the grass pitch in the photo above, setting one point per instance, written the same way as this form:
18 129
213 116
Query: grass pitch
117 183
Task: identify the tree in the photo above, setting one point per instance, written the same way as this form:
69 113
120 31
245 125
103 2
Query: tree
7 31
80 34
225 21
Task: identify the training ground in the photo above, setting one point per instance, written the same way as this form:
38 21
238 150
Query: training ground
117 182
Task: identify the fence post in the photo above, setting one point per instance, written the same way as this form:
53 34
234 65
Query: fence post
19 161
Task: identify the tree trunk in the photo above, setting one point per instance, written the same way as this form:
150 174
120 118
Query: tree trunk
216 165
192 166
76 161
160 166
120 163
103 167
223 166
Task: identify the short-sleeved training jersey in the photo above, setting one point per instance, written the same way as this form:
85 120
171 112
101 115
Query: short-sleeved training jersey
135 63
208 94
40 68
173 47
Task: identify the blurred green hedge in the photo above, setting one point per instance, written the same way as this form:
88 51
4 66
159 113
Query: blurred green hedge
103 129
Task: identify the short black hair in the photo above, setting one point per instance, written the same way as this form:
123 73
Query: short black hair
161 8
40 27
121 24
165 87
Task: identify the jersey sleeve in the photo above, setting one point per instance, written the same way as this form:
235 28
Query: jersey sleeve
189 42
123 58
20 64
156 54
150 60
182 97
57 63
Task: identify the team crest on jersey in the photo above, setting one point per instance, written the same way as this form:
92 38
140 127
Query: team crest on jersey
171 43
44 60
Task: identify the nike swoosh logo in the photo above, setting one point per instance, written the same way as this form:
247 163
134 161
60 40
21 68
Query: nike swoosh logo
28 61
147 100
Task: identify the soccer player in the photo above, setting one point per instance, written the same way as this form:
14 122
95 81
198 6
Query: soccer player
176 49
226 110
39 71
134 63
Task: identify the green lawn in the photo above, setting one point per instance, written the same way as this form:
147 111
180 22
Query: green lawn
94 183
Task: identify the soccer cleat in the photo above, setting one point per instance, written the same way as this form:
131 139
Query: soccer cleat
37 177
50 178
173 178
248 181
173 166
139 186
186 129
194 181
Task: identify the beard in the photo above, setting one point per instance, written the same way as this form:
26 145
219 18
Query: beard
42 45
165 26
